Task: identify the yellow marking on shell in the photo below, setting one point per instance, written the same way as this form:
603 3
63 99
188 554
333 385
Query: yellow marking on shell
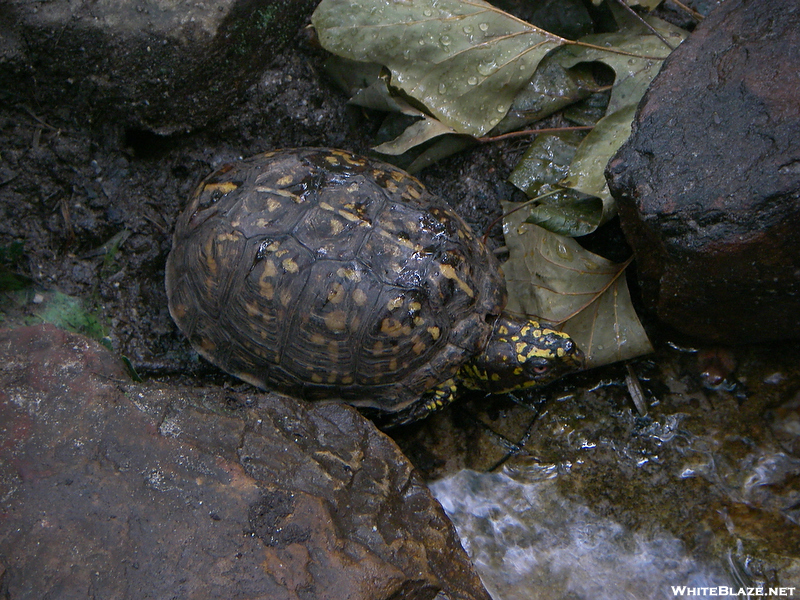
316 378
412 225
520 347
326 206
285 180
252 309
211 262
350 274
394 328
394 303
502 330
377 348
414 306
337 293
393 364
270 270
359 297
419 347
351 217
223 187
207 345
266 288
352 188
279 192
518 371
331 159
419 321
273 204
318 339
333 351
355 323
332 376
285 297
414 193
495 376
398 176
349 158
336 321
398 240
227 237
435 332
336 227
280 253
347 380
450 273
391 186
290 266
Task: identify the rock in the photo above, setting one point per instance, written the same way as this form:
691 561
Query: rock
708 184
147 491
159 66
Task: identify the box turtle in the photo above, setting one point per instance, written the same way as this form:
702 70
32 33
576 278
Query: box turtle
325 275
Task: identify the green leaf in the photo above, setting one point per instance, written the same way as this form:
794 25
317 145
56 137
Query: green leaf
586 173
464 60
552 278
552 88
633 73
557 209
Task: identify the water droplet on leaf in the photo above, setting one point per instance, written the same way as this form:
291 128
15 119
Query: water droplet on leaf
445 40
472 80
442 88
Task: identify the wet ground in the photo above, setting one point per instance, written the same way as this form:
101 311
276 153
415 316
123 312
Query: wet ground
87 217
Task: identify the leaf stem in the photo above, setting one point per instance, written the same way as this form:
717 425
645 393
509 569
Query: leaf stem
689 10
512 134
652 29
599 292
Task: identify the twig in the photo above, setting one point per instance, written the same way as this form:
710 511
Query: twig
504 136
652 29
689 10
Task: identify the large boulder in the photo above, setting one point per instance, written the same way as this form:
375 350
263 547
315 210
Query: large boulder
112 489
708 184
160 65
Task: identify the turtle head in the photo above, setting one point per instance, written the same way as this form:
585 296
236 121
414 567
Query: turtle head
521 353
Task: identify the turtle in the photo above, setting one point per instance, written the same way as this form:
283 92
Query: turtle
326 275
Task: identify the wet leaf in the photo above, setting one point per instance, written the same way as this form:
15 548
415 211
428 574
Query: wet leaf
633 73
418 133
586 173
553 278
552 88
560 210
633 76
464 60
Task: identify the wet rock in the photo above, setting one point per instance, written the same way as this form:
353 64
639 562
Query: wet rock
136 491
708 184
158 66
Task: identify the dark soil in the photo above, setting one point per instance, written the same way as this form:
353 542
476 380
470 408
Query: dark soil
69 193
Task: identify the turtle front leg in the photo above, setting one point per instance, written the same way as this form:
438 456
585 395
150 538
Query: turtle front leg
434 399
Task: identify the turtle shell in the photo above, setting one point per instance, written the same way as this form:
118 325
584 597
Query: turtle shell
323 274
